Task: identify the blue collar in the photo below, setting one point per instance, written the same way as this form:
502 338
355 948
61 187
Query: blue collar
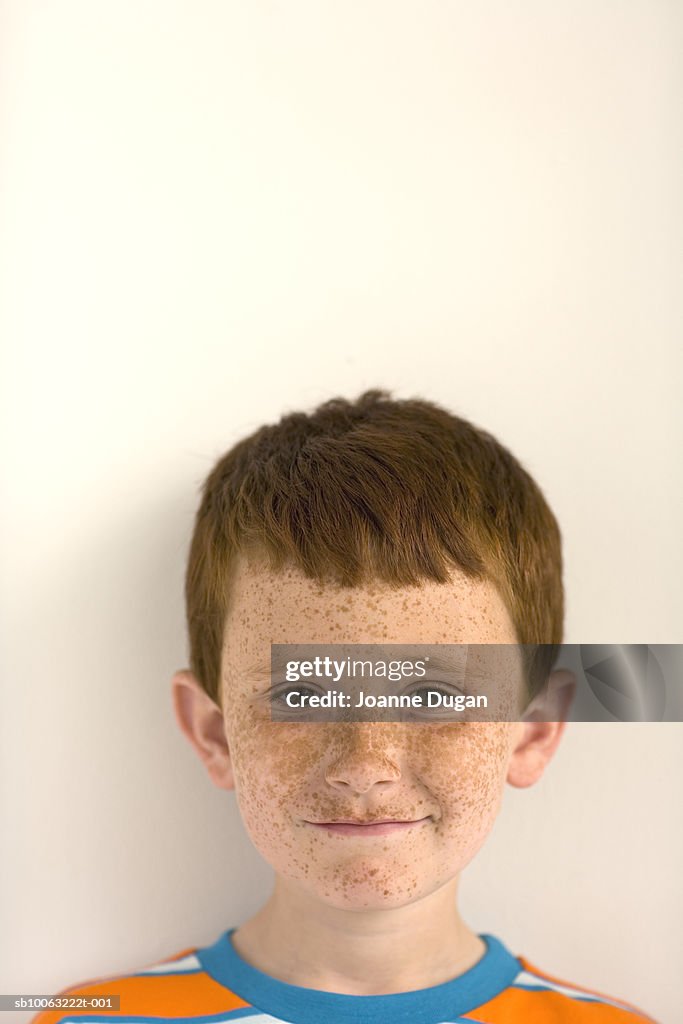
446 1002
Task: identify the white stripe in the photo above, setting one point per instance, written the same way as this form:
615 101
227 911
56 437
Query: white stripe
262 1018
258 1018
186 963
533 981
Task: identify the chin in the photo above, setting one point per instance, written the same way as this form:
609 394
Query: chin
369 903
367 893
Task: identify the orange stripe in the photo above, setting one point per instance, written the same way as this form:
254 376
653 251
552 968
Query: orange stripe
171 995
78 985
517 1006
579 988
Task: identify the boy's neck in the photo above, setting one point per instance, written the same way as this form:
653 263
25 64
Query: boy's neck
302 941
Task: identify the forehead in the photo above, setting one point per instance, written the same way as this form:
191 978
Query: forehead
288 608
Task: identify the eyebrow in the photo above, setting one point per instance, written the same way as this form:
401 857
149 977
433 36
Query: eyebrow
261 669
264 668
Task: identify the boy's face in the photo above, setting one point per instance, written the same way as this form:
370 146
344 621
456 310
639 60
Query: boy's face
289 777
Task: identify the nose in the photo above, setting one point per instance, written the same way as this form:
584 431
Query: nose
361 756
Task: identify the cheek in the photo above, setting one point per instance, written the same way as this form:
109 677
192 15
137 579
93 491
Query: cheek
273 762
464 768
461 767
457 770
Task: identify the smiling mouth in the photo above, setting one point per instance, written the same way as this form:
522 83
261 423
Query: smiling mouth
367 821
367 827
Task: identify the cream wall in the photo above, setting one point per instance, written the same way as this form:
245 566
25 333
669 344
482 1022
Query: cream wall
213 213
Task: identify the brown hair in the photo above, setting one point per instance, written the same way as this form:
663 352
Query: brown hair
374 489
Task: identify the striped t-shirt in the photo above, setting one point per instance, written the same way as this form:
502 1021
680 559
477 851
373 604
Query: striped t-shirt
212 985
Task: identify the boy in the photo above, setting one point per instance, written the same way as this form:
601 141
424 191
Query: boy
377 521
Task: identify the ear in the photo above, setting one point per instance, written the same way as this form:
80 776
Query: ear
201 721
539 738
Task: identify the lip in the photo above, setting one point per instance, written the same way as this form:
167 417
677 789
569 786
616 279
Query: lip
367 828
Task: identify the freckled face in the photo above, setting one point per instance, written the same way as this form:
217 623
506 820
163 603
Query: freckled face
288 774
